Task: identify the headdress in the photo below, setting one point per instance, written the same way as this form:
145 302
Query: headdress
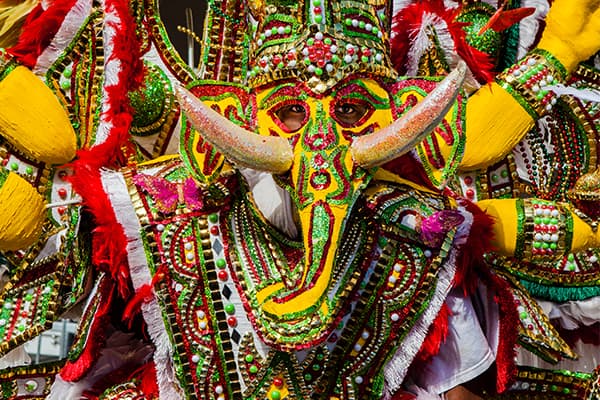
318 41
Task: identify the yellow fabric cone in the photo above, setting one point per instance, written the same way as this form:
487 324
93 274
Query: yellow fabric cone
32 119
22 213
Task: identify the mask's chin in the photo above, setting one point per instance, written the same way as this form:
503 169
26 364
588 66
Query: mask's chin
272 201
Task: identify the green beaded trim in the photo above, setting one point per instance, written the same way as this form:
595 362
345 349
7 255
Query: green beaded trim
525 81
564 74
520 245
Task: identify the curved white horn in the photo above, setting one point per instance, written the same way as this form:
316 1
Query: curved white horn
242 147
402 135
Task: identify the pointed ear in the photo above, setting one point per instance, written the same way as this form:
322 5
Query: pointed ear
440 152
230 100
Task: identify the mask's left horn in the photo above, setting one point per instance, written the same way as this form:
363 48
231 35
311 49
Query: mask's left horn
240 146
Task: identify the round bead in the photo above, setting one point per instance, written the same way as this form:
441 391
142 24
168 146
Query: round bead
230 309
275 395
253 369
232 321
278 382
214 230
249 358
221 263
223 275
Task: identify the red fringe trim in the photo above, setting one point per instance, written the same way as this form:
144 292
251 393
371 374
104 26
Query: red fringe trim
110 242
75 370
143 295
39 29
478 243
410 19
508 332
436 335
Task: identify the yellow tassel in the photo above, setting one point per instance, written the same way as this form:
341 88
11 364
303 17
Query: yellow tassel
32 119
496 122
22 214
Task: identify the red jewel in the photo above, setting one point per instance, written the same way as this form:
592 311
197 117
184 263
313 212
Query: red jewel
291 55
5 161
530 327
318 45
470 193
61 210
262 63
232 321
350 50
62 192
553 228
222 275
214 229
278 382
276 59
312 57
367 52
317 10
321 63
319 53
468 180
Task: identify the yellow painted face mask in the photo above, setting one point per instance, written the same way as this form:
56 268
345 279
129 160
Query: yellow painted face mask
324 181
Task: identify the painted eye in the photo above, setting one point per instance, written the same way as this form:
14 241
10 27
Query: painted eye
349 114
292 116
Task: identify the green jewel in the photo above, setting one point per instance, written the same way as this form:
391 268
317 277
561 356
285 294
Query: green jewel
67 73
274 31
29 170
537 245
375 30
28 297
308 377
316 367
253 369
65 84
310 41
335 59
523 315
14 166
221 263
553 246
571 257
275 395
327 40
280 65
318 71
554 388
262 37
504 173
230 309
249 358
361 24
307 61
213 218
494 178
318 18
21 327
364 59
348 22
287 29
316 3
566 390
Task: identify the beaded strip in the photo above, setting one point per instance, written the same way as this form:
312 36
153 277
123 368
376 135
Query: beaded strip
526 80
535 383
545 230
29 381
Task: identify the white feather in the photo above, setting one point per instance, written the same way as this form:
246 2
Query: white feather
586 94
529 26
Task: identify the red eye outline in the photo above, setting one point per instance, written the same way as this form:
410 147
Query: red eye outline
275 114
352 101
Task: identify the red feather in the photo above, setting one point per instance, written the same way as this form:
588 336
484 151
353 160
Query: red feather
502 19
39 30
